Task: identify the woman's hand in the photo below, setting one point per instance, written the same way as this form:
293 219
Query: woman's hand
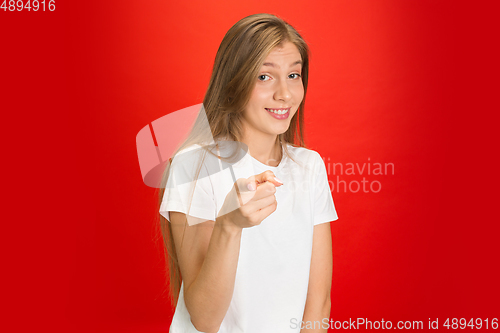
250 201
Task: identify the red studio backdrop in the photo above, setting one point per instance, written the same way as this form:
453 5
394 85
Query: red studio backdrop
401 104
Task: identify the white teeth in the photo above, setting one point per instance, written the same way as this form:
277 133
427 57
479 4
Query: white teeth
278 111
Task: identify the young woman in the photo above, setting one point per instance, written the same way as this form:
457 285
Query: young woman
249 247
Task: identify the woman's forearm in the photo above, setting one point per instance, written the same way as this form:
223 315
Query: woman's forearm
208 297
316 315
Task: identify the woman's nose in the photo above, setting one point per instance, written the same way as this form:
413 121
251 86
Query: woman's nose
282 92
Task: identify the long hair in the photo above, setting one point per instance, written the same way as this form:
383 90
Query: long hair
237 64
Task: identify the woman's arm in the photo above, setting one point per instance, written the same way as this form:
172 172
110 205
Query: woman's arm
208 259
208 252
318 303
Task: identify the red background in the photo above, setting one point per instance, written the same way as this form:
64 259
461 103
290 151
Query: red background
413 83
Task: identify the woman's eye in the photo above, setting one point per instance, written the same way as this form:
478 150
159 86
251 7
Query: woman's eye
264 77
295 75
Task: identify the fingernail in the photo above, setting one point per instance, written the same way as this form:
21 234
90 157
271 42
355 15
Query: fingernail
279 181
251 186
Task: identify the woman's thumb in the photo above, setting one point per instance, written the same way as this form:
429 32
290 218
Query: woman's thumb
251 184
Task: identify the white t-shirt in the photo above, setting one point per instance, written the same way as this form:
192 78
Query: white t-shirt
273 267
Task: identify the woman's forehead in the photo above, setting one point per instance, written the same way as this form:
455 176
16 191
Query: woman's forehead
283 55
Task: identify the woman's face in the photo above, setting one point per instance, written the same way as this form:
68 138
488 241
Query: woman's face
277 94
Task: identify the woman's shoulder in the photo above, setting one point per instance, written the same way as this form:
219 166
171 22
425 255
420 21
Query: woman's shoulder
188 158
201 160
188 148
192 151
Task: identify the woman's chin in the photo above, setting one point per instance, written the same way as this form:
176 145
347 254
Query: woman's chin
281 130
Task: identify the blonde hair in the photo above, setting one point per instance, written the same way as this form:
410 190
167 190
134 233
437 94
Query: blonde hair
237 64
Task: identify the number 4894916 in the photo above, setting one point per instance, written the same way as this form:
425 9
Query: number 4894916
29 5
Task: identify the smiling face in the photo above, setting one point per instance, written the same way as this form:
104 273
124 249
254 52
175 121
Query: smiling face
277 94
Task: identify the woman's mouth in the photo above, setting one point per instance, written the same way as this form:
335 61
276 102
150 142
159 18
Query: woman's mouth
279 113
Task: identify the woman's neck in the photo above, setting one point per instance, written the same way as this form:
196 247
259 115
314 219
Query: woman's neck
264 149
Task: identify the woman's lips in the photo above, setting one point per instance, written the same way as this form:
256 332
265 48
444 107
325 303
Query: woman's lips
279 113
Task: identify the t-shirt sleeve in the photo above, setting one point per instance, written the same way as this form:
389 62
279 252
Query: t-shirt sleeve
324 208
188 191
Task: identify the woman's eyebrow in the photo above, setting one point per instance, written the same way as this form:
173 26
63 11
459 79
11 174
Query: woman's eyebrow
276 66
